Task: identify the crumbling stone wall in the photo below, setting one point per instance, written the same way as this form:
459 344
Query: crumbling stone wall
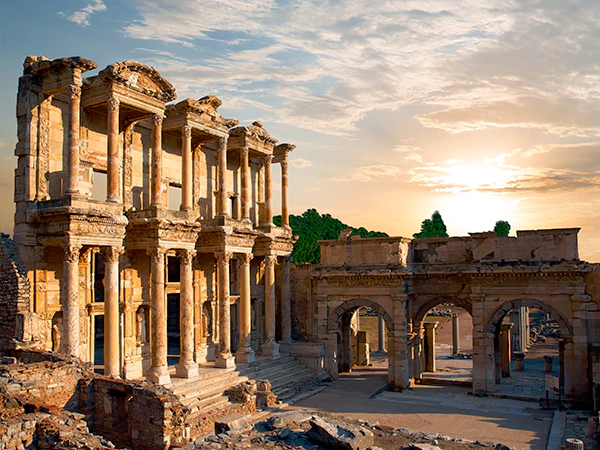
301 301
15 316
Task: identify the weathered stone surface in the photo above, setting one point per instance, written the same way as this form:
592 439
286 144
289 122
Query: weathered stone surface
287 419
231 422
336 434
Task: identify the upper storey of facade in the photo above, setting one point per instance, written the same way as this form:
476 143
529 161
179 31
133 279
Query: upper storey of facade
116 149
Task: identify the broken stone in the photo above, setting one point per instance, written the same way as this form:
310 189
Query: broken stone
423 447
231 422
285 419
337 434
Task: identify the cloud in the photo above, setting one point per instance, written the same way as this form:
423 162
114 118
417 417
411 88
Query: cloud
300 163
368 173
82 16
409 152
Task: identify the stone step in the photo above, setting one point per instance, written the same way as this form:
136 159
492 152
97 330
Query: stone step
193 388
198 406
288 378
216 388
259 366
274 369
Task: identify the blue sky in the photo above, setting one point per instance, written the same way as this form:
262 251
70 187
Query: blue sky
485 110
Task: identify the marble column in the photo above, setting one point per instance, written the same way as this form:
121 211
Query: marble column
224 358
270 347
70 301
157 183
268 191
159 371
455 335
286 300
430 346
113 159
245 168
222 177
380 334
186 168
111 310
186 367
245 354
285 214
505 350
72 163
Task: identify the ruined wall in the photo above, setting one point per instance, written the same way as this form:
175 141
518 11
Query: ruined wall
18 325
302 304
355 251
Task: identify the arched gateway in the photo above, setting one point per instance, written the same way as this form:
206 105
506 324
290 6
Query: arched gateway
488 276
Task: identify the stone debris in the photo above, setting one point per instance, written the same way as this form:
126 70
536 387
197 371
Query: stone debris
233 422
337 434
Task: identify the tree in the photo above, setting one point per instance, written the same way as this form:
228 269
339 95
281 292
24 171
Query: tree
502 228
433 227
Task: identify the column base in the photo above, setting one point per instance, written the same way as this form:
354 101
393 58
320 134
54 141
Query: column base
245 356
284 345
270 348
159 375
186 369
224 361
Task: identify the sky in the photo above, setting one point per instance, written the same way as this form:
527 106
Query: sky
484 110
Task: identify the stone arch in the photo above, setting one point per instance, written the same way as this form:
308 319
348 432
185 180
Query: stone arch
336 316
496 317
430 303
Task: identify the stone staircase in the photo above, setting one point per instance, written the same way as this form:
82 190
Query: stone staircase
288 378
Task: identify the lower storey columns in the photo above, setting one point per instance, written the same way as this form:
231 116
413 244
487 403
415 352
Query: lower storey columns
186 367
158 371
245 354
286 307
224 358
270 347
111 311
70 300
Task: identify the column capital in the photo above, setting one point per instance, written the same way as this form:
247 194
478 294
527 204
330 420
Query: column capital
270 261
267 159
284 164
223 141
112 254
186 257
74 91
223 258
245 150
186 131
113 104
156 254
245 258
157 120
71 252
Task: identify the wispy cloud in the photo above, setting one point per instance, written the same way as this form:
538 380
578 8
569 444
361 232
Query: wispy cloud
82 16
300 163
369 173
409 152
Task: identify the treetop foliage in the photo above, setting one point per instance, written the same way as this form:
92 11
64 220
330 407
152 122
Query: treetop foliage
311 227
433 227
502 228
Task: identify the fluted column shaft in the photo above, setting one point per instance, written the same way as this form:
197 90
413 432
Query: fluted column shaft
114 160
286 301
224 357
245 168
270 347
285 213
186 168
111 310
222 177
74 124
70 301
158 344
186 367
245 354
157 188
268 191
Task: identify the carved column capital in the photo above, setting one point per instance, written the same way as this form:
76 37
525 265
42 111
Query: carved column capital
113 104
245 150
157 120
186 131
268 159
223 142
74 91
284 165
112 254
270 261
71 252
245 258
157 255
223 258
186 257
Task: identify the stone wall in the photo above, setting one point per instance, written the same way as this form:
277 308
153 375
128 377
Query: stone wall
301 302
17 323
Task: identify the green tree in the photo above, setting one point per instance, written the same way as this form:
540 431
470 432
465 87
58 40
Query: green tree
502 228
433 227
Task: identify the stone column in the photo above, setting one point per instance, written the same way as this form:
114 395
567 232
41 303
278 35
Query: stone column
111 311
519 361
159 371
114 160
224 358
270 347
400 342
186 367
222 177
245 354
72 168
286 300
380 334
285 214
157 186
186 168
430 346
70 301
455 335
268 191
245 168
505 348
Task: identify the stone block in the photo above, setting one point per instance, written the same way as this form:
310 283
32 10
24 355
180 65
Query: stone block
337 434
231 422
